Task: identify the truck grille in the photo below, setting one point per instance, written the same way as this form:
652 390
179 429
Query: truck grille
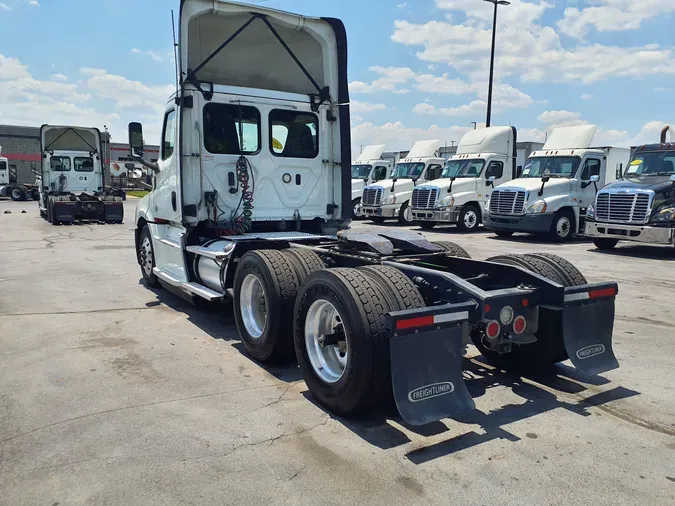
507 202
372 196
424 198
623 207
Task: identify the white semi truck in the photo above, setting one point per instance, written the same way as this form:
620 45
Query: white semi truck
390 198
485 158
368 168
236 215
10 186
72 180
556 186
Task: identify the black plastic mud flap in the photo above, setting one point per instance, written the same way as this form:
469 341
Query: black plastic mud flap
65 211
587 331
426 373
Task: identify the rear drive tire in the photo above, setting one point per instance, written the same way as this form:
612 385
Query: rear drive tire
563 225
549 348
304 261
265 288
400 291
504 233
427 225
469 218
452 249
405 216
354 375
146 257
17 193
566 269
605 244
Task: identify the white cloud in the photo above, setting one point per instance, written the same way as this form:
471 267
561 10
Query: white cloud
612 15
471 109
5 7
94 98
365 107
34 2
526 49
556 117
587 96
152 54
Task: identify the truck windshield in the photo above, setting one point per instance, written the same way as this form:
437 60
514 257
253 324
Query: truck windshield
3 165
409 170
659 163
361 171
552 166
463 168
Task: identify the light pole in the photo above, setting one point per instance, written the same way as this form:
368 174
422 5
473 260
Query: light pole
492 57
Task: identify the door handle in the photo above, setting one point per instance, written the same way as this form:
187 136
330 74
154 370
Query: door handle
173 200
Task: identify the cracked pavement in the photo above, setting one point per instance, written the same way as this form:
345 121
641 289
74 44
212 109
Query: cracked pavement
112 393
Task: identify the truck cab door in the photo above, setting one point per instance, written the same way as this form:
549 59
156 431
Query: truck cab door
592 166
167 230
495 168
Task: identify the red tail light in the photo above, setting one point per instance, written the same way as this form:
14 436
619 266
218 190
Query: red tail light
519 324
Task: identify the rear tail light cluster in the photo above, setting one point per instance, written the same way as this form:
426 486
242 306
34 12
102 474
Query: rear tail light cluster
507 316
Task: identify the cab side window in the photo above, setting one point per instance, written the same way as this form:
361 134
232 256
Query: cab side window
591 168
434 172
168 135
495 169
379 173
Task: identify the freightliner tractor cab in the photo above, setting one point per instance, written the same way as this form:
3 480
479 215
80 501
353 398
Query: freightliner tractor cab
72 180
486 157
640 207
556 186
4 169
368 168
390 198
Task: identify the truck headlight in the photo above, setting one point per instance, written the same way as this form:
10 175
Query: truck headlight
447 201
391 199
538 207
665 214
590 212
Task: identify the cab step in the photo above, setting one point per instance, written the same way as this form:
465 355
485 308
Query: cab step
189 287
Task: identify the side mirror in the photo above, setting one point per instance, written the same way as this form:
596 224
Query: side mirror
491 181
136 139
595 179
545 179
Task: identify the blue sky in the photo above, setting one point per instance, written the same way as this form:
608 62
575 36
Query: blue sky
417 68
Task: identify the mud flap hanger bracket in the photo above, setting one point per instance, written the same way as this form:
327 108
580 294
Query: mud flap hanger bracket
316 100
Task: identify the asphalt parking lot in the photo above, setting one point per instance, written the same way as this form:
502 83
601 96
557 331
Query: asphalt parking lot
114 394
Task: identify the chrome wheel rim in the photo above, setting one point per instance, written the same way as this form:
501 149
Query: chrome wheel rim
16 193
355 208
470 219
328 361
563 227
146 256
407 215
253 306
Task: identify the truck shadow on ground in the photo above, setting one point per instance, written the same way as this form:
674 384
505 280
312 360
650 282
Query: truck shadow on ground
541 393
646 252
538 239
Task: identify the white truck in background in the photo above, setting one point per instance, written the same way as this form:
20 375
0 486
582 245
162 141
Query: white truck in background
71 180
368 168
556 186
10 187
486 157
390 198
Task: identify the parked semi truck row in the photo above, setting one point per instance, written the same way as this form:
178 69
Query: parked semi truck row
485 157
557 184
640 206
390 198
368 168
252 202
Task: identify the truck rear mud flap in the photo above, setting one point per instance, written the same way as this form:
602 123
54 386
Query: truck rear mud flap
588 321
426 366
